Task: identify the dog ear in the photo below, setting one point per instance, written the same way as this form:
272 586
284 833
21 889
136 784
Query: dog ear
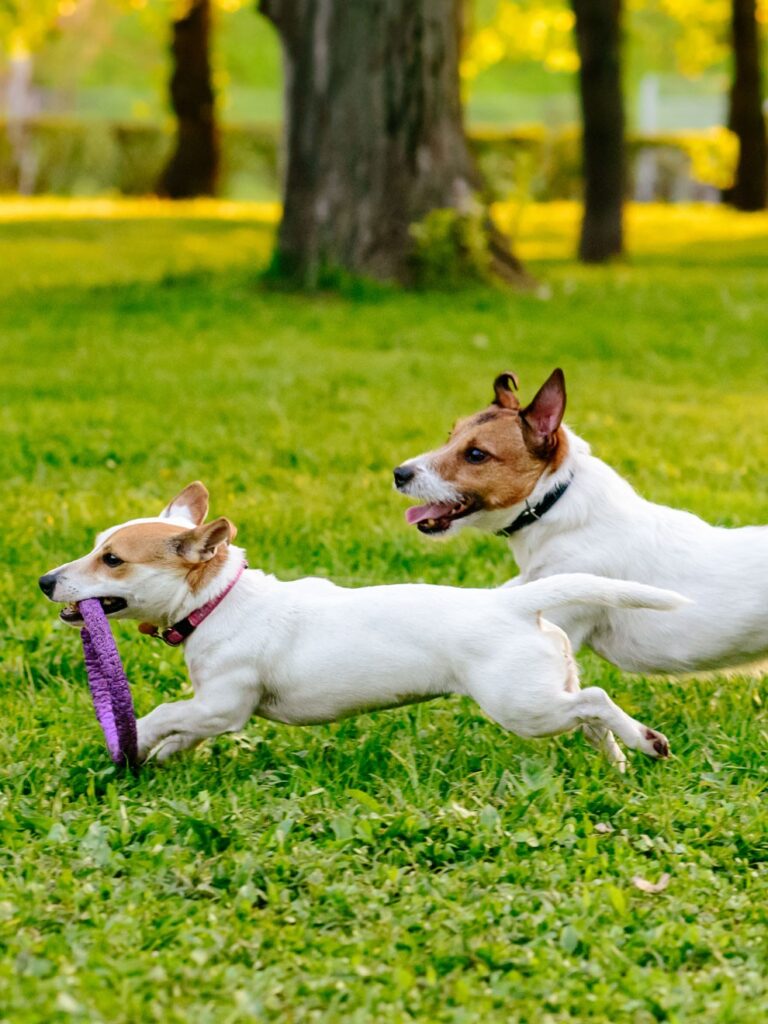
545 413
202 543
191 504
504 388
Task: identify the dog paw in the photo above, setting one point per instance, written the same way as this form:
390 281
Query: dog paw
143 753
655 744
144 742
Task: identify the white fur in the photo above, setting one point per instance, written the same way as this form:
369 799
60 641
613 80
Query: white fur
601 525
309 651
427 484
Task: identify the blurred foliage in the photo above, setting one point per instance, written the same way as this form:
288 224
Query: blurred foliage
698 31
713 156
83 157
523 29
109 58
451 249
25 25
80 157
689 36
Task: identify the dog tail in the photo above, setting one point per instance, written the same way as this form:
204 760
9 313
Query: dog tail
584 588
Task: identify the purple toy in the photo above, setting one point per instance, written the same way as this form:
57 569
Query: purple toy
109 686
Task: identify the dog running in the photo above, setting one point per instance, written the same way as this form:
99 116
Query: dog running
519 472
309 651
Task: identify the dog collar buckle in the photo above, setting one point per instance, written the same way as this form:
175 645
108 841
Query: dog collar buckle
175 635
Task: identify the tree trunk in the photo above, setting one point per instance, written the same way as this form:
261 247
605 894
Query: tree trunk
745 116
193 168
598 40
374 134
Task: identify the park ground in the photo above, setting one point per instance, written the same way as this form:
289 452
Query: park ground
413 865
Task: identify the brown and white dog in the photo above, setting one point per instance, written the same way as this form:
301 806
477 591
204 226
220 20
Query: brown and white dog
520 472
308 651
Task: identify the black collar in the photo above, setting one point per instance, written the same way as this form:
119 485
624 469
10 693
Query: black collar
533 514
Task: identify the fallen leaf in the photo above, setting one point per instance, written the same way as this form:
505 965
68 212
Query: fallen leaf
460 811
645 886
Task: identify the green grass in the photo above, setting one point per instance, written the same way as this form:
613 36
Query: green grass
413 865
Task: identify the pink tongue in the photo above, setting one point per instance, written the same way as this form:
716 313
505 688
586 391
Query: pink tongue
419 513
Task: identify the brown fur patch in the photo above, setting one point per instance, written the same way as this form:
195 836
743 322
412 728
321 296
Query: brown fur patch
200 575
516 457
153 544
485 417
140 544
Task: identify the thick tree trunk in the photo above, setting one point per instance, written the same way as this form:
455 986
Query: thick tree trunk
374 134
598 40
745 116
193 167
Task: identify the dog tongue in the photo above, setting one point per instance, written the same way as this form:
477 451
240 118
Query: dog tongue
419 513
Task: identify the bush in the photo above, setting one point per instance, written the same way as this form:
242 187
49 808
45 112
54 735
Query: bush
66 156
450 249
77 157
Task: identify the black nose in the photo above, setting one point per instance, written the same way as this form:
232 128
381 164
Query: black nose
47 583
403 474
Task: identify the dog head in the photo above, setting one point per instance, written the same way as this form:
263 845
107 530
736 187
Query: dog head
146 568
491 462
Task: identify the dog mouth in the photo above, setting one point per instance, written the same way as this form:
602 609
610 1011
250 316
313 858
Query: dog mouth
110 605
437 518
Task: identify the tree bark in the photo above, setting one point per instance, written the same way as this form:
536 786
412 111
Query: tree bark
374 136
745 116
193 167
598 40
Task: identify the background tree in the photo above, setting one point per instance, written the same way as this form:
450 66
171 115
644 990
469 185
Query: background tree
374 136
193 166
708 34
598 40
745 113
543 30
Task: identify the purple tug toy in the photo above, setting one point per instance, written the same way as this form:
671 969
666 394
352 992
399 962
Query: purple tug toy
109 686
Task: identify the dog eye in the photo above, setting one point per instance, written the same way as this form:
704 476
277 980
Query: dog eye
111 560
475 455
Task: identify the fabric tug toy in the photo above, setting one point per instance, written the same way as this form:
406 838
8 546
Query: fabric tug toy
108 683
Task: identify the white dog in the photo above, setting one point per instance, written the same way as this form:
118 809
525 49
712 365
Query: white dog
521 473
309 651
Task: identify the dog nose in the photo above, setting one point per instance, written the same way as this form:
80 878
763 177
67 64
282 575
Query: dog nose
47 583
403 474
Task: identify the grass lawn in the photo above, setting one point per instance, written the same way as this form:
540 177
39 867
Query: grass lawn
413 865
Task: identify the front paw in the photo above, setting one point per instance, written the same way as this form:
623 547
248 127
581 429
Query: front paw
145 740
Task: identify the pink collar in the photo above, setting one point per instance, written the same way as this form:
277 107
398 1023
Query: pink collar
177 633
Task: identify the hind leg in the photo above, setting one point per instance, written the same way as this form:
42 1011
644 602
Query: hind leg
599 717
598 736
550 710
534 691
594 710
